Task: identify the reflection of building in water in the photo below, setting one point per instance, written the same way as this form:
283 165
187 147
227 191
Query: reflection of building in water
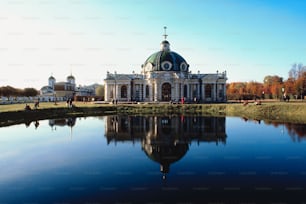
165 139
70 122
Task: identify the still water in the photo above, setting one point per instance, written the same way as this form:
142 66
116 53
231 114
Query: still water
129 159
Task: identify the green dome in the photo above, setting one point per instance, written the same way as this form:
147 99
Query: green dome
166 61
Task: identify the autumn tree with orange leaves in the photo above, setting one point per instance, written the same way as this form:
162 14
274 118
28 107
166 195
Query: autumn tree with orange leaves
273 86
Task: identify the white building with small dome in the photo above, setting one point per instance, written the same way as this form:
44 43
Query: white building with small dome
166 76
63 89
66 89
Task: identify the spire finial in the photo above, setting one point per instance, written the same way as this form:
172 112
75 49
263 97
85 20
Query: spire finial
70 69
165 32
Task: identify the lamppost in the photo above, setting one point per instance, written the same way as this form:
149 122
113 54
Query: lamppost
283 91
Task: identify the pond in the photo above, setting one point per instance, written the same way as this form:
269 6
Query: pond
152 159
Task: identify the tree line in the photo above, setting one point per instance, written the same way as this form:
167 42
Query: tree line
272 87
8 91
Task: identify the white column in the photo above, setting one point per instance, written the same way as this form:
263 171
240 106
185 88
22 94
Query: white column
188 87
198 91
215 91
174 95
129 91
112 89
106 92
203 92
144 91
155 91
117 91
151 92
141 92
182 90
177 97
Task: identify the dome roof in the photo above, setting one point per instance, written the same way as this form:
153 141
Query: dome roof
70 77
51 78
165 60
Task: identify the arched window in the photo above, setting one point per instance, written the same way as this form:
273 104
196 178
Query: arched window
147 91
123 91
185 91
208 90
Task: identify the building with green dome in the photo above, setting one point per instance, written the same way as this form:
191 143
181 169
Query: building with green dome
165 76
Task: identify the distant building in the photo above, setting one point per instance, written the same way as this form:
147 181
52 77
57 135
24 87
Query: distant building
89 90
66 89
165 76
63 89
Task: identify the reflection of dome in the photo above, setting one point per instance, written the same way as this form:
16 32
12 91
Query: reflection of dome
165 60
71 122
165 153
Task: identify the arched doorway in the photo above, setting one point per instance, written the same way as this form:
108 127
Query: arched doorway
166 92
123 91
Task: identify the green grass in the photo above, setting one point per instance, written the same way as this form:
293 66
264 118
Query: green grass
276 111
45 105
294 112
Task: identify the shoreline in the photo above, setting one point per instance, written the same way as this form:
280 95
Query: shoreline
294 112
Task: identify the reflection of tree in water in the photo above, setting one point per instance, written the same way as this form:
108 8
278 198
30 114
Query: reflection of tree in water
296 131
165 140
251 120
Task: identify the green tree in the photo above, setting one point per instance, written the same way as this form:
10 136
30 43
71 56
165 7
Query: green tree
11 91
30 92
100 91
8 91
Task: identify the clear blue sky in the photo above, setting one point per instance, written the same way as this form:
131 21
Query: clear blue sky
248 38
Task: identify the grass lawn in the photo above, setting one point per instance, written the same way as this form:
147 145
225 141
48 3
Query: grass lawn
279 111
45 105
